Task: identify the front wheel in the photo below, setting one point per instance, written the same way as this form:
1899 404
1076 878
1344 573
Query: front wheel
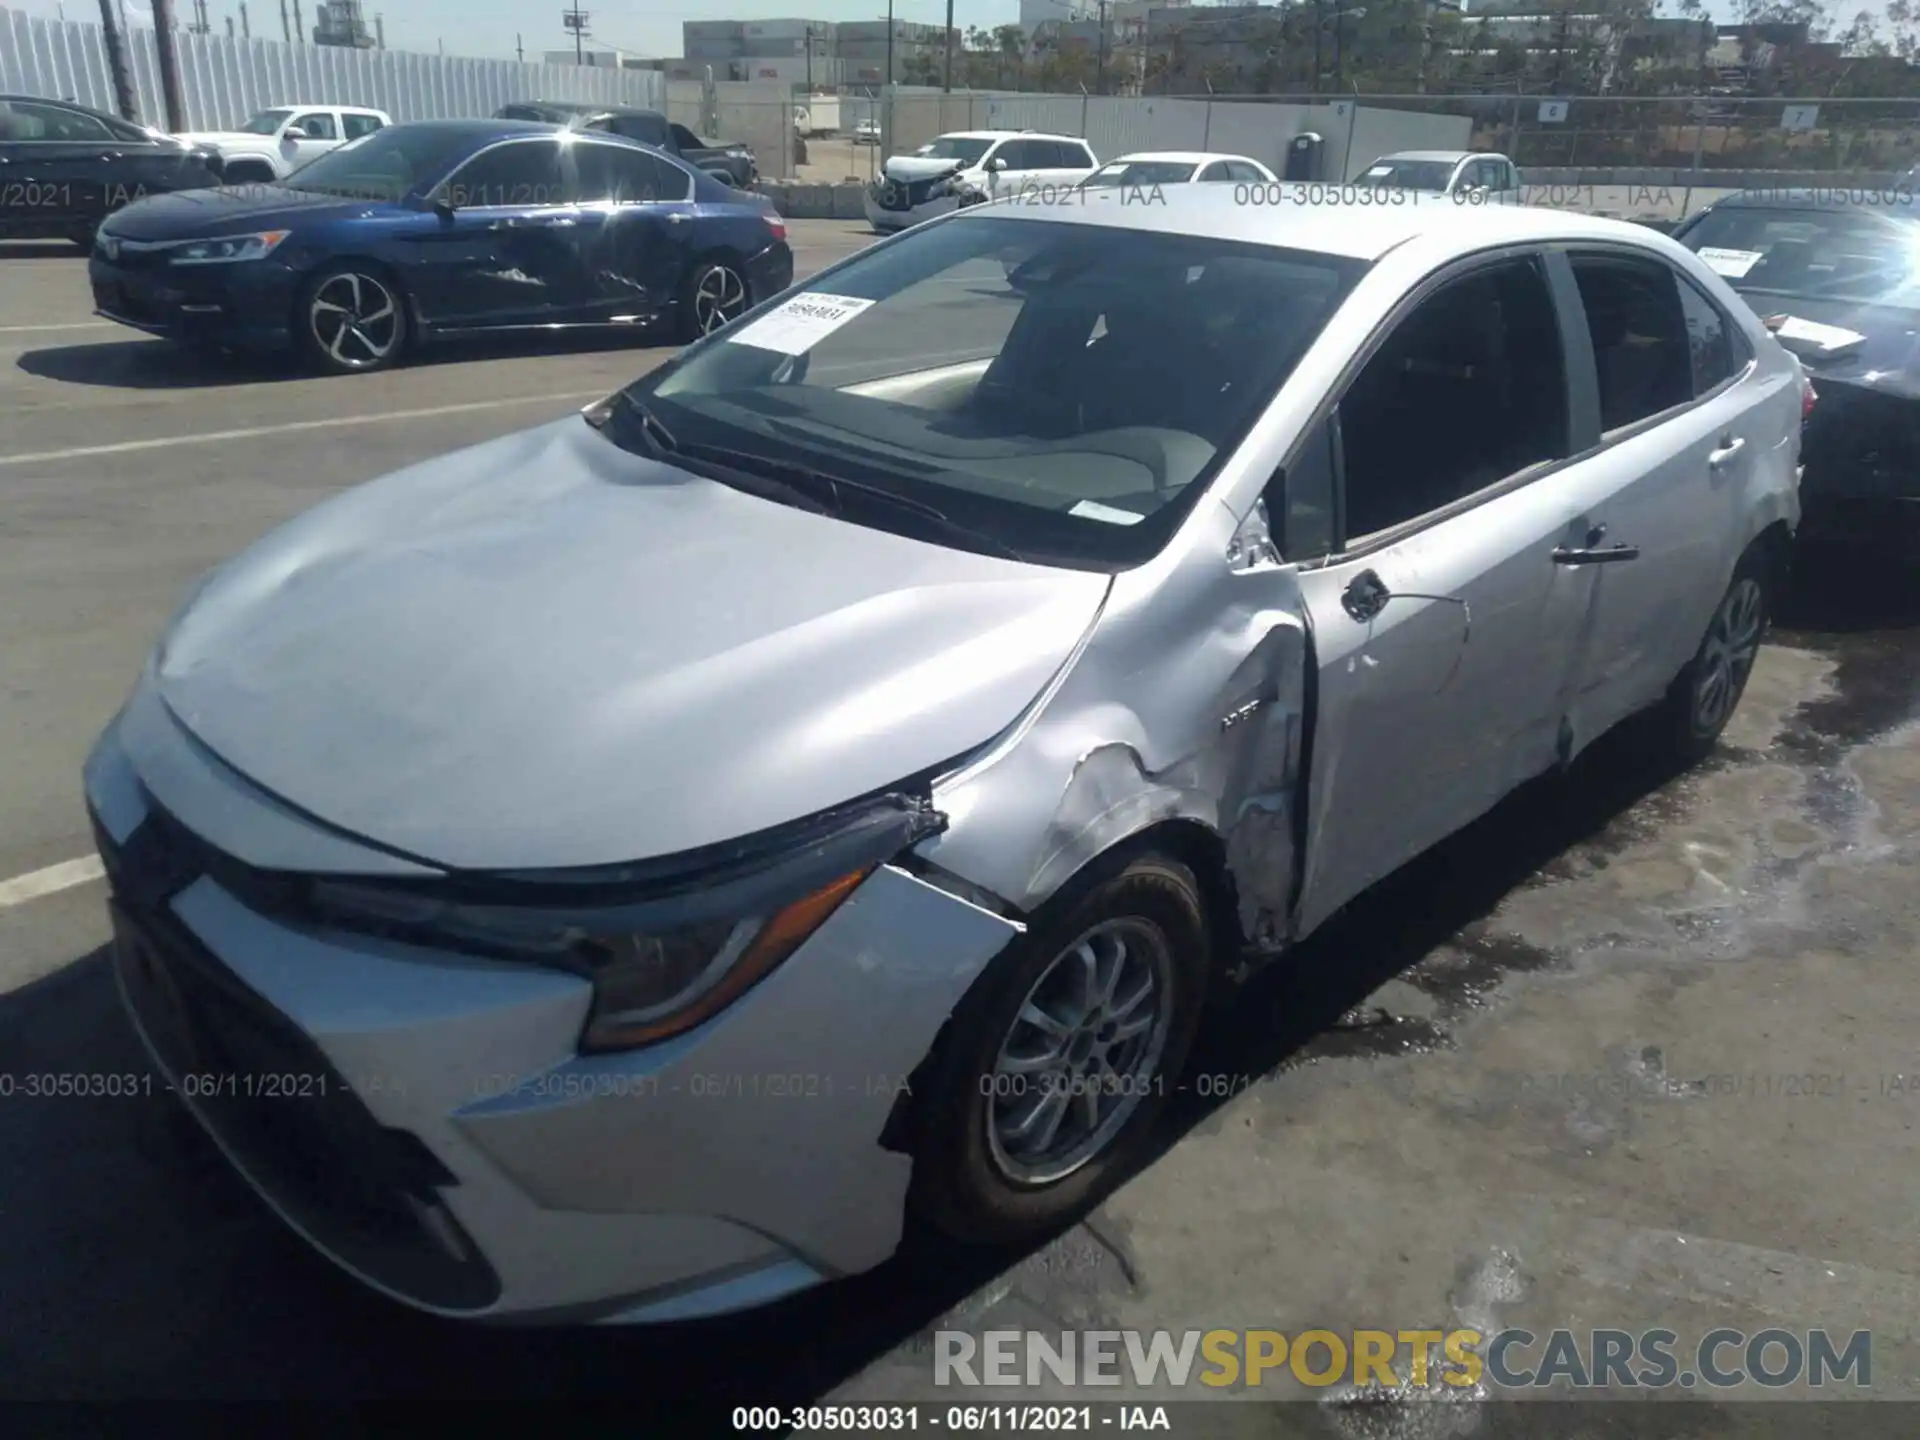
715 294
1706 693
1062 1054
350 319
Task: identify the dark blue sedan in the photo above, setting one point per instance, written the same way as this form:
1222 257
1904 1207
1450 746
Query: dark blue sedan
420 231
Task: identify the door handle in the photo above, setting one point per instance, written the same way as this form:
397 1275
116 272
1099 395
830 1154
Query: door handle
1611 555
676 218
1730 446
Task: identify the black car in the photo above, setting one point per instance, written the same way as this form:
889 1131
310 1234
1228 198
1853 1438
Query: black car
63 168
438 228
722 159
1837 279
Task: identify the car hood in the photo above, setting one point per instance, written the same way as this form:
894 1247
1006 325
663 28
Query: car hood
1888 359
547 652
193 213
921 167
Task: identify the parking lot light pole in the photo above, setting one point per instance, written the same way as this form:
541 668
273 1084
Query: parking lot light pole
165 43
116 42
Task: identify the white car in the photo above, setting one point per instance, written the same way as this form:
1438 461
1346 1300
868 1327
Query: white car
867 132
1468 176
1178 167
970 167
277 142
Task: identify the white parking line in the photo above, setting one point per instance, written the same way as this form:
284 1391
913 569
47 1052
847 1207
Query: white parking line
334 422
50 881
76 325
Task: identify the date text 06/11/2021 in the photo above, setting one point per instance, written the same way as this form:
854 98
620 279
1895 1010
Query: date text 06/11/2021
957 1419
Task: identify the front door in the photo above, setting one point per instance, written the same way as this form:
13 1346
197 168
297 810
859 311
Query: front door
310 134
509 251
1445 635
1674 422
639 254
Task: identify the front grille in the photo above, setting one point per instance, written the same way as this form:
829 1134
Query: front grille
368 1193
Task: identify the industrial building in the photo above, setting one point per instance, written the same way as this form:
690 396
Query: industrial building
804 52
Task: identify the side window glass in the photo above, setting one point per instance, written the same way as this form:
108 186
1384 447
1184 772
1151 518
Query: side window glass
1709 341
1467 390
626 177
524 173
24 120
355 126
316 125
1641 351
686 139
1215 171
1300 507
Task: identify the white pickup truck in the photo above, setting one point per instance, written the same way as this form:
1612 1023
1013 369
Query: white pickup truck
278 141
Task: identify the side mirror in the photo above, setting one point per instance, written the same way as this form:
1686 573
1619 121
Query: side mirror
997 164
443 206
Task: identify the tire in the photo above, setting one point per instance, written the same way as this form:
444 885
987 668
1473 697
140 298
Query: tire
1706 693
715 293
975 1179
350 319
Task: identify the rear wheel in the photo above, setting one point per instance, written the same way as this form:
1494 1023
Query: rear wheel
1062 1054
349 319
715 294
1707 692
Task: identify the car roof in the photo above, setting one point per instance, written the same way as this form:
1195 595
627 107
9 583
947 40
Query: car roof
582 107
1005 135
1358 232
322 105
1448 156
481 129
1193 157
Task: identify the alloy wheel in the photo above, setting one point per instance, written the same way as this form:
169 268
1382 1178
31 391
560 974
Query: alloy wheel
1727 655
721 296
355 319
1082 1054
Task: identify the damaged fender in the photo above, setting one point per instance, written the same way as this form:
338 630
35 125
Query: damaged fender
1184 703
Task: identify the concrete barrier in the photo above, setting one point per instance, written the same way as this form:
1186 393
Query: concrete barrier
797 201
1878 181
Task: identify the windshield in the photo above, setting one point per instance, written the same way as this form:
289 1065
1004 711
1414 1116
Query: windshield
1140 172
1409 174
267 122
387 164
1064 391
1863 256
951 147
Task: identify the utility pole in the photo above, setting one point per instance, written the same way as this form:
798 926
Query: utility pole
946 82
201 25
575 20
164 40
299 25
246 30
380 31
889 50
1339 36
286 29
519 50
1100 68
229 27
123 98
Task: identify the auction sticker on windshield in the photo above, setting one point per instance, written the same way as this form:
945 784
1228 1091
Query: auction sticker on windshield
1730 263
800 324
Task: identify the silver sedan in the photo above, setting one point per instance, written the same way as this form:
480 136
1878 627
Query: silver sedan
620 871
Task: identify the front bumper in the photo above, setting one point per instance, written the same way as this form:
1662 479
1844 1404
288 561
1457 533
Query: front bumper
246 306
424 1119
886 217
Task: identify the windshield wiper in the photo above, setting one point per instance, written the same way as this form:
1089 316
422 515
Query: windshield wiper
832 490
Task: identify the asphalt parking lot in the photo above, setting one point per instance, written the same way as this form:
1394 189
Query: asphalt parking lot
1638 1050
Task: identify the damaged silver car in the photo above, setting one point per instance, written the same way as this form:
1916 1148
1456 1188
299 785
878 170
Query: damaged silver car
621 871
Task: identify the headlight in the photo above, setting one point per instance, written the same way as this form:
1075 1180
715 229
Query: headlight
227 248
647 985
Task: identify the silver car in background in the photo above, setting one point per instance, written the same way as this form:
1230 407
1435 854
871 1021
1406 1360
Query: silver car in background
619 871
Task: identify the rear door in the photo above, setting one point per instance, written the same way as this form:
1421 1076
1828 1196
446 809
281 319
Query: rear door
1424 511
62 165
638 249
1677 389
355 123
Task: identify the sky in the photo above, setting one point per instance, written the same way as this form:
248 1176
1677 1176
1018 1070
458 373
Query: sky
493 27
